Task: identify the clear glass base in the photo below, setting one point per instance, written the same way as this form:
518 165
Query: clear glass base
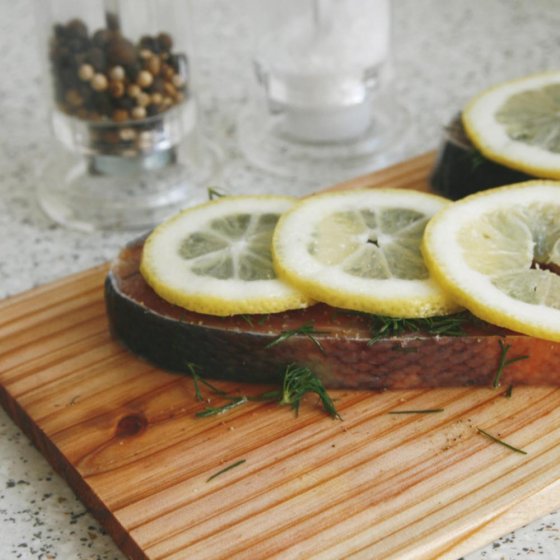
267 141
92 193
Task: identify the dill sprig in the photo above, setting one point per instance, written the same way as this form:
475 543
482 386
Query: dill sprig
196 380
298 381
226 469
444 325
504 362
214 192
307 330
199 380
419 411
500 441
216 410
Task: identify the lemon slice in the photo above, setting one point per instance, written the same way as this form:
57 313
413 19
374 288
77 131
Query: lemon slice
216 258
498 253
517 124
360 250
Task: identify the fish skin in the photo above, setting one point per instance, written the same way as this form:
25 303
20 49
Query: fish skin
237 348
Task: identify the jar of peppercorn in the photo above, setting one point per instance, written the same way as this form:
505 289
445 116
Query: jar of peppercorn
128 151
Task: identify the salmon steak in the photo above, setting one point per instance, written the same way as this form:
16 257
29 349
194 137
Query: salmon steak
344 349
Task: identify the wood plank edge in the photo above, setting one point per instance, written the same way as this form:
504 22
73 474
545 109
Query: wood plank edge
19 298
72 476
528 510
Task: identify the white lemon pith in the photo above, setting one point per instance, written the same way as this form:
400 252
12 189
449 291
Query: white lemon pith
360 250
517 124
498 253
216 258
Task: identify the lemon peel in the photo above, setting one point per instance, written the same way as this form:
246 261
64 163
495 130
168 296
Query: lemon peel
360 250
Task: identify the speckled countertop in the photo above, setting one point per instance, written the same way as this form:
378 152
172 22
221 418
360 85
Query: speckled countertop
444 52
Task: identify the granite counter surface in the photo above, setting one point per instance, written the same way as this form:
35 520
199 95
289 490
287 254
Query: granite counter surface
444 52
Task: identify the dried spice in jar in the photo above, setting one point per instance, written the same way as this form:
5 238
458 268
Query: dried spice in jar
103 76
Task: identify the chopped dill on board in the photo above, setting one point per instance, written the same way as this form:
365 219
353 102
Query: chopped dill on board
226 469
297 382
500 441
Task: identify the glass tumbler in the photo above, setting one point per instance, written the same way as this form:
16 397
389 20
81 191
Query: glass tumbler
321 101
128 149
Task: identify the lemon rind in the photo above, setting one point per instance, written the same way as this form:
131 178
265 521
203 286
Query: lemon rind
255 297
521 156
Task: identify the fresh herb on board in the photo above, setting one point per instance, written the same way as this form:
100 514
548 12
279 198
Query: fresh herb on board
419 411
234 402
296 383
504 362
213 193
198 380
500 441
226 469
307 330
445 325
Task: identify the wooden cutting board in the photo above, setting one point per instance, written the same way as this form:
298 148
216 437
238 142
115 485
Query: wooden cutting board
374 485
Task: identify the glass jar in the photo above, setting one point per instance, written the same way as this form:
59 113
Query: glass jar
321 102
123 111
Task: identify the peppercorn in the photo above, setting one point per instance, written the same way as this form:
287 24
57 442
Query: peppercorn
144 79
143 99
133 90
120 115
86 72
165 41
158 85
116 88
138 113
178 81
99 82
153 65
101 37
167 72
117 73
170 89
148 43
127 134
120 51
76 28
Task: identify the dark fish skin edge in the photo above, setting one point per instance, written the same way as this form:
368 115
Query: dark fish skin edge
234 348
461 170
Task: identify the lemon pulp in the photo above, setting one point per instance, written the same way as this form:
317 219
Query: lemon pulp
498 253
216 258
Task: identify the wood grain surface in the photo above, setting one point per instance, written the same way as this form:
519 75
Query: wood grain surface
372 485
